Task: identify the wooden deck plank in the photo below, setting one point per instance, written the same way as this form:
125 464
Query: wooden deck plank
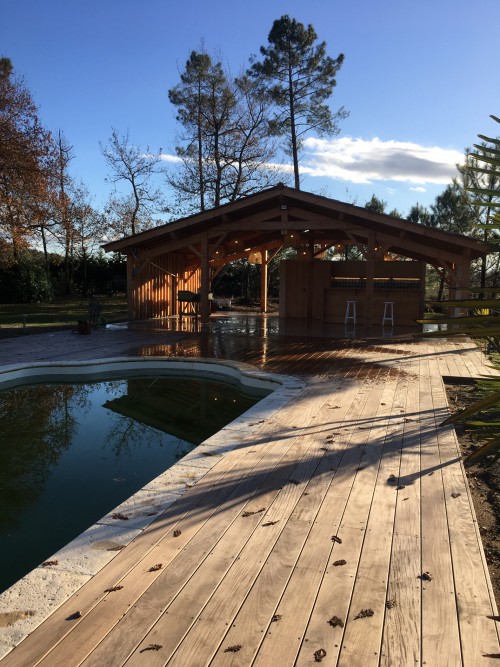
348 491
245 629
205 637
336 589
125 562
164 591
440 633
370 587
474 597
401 638
239 575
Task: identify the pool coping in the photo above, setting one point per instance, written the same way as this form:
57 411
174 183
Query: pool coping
28 602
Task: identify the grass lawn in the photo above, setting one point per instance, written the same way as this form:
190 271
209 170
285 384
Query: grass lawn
64 312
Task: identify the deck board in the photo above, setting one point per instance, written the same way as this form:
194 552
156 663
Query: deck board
360 455
401 637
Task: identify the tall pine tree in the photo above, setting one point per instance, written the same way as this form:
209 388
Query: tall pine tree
224 145
299 78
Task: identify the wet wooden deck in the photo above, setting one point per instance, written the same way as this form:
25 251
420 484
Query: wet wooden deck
343 533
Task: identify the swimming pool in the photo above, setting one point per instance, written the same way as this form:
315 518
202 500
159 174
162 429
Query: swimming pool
72 451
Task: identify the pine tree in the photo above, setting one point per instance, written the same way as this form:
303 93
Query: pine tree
224 145
299 78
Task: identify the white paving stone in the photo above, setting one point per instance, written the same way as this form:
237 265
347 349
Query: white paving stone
93 549
29 601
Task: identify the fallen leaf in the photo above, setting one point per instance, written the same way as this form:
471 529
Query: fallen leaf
319 655
73 617
151 647
249 513
335 622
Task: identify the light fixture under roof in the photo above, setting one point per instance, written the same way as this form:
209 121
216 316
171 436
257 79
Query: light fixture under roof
291 240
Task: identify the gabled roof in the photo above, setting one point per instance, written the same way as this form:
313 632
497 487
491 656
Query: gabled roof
265 217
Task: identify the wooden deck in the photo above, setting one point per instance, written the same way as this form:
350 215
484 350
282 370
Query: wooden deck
343 534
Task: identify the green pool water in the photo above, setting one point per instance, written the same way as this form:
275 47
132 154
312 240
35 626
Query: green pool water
71 452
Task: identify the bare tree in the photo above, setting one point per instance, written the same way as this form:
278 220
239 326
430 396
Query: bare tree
136 167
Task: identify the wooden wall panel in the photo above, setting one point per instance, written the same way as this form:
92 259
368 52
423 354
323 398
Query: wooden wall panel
153 287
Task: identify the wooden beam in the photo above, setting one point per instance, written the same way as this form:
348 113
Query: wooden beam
244 253
205 281
263 281
370 275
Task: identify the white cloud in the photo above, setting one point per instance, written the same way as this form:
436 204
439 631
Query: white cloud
419 189
365 161
167 157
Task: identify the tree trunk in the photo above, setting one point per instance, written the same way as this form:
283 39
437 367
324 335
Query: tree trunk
293 131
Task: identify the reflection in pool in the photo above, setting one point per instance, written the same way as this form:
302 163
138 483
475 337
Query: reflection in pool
70 453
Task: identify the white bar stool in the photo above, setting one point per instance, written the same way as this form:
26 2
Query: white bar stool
388 317
350 312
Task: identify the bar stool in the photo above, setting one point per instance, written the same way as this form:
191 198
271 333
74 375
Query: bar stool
388 313
350 312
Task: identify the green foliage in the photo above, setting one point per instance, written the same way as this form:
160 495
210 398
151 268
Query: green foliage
452 212
487 426
25 281
238 279
419 214
376 205
483 183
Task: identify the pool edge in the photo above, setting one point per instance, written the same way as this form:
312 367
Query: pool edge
29 601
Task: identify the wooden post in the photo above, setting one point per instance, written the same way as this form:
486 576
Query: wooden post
370 274
205 281
130 288
459 282
263 281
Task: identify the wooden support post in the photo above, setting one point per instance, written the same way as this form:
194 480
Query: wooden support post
263 281
460 281
132 282
205 281
370 274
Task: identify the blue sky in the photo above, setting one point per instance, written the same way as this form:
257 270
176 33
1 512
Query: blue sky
420 80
